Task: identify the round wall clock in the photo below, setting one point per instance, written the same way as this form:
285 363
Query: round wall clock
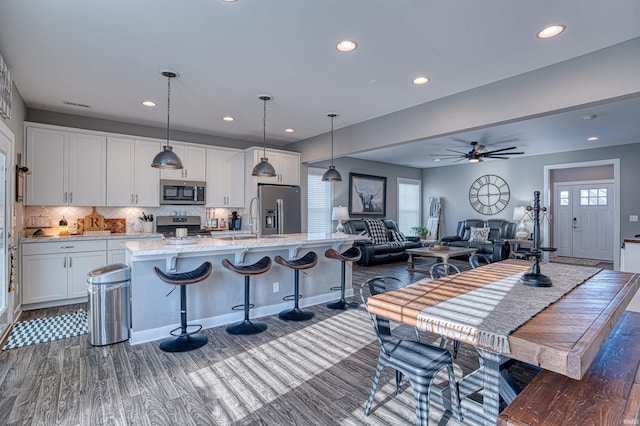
489 194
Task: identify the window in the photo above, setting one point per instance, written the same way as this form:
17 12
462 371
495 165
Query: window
593 197
409 213
564 198
318 202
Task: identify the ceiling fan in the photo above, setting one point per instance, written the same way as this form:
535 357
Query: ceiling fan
477 153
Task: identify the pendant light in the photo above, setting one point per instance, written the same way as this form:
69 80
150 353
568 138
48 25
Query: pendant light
263 168
167 159
332 175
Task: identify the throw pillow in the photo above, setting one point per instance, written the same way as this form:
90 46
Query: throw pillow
397 236
364 233
377 230
479 235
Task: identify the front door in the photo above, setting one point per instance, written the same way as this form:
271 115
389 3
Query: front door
583 223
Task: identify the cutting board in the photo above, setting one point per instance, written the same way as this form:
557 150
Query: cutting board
116 226
94 221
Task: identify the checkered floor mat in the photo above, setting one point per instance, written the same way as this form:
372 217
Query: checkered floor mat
40 330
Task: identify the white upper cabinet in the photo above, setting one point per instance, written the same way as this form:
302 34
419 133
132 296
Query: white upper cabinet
286 164
225 178
131 181
67 168
193 162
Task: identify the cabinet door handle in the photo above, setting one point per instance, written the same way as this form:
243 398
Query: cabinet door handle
131 198
64 263
70 260
70 197
136 198
67 247
64 198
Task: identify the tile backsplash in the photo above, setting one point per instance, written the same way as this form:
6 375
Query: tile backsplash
131 214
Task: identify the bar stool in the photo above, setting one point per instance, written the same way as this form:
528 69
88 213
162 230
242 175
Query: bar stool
351 255
309 260
185 341
258 268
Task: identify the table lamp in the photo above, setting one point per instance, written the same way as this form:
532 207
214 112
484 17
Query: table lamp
340 213
520 214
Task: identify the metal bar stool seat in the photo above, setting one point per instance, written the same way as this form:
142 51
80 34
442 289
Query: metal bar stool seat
246 326
185 340
307 261
351 255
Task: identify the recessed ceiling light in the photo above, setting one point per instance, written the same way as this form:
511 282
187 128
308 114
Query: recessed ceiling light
289 130
550 31
420 80
592 138
436 159
149 103
347 46
227 117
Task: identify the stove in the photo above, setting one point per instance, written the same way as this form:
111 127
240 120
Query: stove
166 225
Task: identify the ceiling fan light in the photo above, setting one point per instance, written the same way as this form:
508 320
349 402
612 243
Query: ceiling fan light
474 160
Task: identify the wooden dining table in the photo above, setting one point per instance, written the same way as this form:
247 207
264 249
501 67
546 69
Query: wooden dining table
563 337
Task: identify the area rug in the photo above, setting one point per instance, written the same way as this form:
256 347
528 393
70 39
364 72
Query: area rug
574 261
40 330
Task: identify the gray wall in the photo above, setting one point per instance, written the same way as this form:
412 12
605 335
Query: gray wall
526 175
392 172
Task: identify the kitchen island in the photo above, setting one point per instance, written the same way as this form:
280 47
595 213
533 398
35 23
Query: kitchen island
154 312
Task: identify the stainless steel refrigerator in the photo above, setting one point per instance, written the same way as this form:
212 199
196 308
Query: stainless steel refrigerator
280 209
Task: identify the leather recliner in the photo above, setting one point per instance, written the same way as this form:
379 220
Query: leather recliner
496 248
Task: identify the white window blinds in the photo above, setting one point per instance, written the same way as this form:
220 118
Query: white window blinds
409 212
319 202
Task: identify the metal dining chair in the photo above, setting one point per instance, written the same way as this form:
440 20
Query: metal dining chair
439 270
419 362
477 260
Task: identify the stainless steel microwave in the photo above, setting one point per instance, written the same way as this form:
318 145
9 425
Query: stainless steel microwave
182 192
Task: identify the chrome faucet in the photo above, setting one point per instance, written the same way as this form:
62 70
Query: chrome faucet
251 216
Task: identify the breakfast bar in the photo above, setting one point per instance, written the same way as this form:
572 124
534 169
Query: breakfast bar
155 308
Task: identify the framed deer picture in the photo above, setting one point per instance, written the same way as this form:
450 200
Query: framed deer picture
367 195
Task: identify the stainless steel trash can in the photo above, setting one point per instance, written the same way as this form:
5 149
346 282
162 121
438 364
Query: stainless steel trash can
109 315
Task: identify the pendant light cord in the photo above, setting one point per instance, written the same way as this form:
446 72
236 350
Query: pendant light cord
264 130
168 106
332 141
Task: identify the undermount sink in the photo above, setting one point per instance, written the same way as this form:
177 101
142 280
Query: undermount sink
236 237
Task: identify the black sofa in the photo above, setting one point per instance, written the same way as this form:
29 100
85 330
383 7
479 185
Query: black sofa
373 254
497 248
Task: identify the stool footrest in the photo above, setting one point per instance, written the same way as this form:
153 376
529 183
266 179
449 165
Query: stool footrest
173 332
241 307
291 297
336 288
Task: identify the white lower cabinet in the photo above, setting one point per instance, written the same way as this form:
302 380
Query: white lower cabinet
58 271
116 252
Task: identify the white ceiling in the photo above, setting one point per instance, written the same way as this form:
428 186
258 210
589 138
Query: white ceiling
107 54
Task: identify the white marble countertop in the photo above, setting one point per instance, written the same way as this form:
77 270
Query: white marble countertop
127 236
208 244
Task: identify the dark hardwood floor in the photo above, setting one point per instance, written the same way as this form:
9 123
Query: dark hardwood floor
312 373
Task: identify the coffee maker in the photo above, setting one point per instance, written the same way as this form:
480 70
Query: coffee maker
235 222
